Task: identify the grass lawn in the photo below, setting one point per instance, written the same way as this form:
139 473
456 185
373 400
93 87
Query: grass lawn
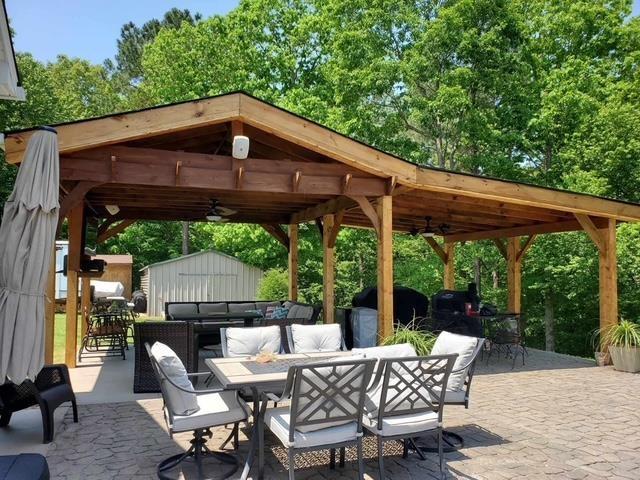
61 332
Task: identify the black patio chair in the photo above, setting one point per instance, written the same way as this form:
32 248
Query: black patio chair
106 332
51 388
506 336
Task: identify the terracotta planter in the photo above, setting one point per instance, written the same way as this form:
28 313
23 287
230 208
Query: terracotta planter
626 359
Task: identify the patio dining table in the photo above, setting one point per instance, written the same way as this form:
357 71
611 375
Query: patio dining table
239 373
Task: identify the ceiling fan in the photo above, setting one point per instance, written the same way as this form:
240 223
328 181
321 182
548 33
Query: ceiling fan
217 212
430 231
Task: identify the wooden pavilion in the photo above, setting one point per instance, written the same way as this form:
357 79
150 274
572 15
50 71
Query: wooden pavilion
170 162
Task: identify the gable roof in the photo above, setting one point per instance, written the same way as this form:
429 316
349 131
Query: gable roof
186 116
197 254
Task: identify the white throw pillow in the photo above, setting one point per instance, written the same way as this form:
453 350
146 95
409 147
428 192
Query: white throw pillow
448 343
316 338
180 402
245 342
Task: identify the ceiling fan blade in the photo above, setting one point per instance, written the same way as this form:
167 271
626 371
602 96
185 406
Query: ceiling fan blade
224 211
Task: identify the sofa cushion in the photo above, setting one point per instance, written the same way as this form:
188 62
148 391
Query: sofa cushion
220 307
241 307
300 311
245 342
177 309
179 401
316 338
448 343
262 306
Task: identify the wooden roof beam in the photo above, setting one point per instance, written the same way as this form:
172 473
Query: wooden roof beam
278 233
541 228
113 231
325 208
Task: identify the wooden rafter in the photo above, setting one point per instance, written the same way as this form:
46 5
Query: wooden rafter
115 230
525 247
75 196
566 226
436 248
592 230
368 209
278 233
325 208
502 248
157 168
335 229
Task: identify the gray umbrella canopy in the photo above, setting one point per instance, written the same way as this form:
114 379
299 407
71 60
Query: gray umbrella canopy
27 234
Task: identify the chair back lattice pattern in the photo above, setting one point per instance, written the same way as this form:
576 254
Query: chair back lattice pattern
414 384
329 394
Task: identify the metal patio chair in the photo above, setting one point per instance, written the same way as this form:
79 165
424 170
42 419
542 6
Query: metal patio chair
106 332
327 403
458 388
506 337
406 401
213 408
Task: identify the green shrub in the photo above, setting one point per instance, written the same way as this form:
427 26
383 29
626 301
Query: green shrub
274 285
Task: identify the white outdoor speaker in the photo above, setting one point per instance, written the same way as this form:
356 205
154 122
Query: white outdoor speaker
112 209
240 147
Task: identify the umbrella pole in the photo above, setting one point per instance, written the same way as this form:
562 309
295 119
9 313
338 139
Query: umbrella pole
50 310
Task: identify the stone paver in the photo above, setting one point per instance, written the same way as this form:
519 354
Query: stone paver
557 417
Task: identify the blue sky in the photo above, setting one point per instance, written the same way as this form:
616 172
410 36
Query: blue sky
89 28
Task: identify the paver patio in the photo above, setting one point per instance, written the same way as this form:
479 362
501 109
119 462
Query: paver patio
557 417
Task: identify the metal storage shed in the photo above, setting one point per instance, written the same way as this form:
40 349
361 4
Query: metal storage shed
202 276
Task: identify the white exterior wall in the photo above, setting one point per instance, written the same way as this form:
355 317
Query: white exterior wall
200 277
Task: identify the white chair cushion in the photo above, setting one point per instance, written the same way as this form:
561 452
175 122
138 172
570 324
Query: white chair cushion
180 402
387 351
277 419
215 409
316 338
244 342
448 343
402 424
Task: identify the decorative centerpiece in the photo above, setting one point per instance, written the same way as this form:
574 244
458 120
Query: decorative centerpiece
266 357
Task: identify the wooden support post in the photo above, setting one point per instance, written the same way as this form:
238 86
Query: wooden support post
85 305
328 271
76 245
608 276
50 310
293 262
385 266
514 275
450 266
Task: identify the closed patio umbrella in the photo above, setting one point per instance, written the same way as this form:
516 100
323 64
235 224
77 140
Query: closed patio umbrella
27 234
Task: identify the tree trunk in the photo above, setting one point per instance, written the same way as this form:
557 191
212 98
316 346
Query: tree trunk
185 238
549 322
496 279
477 271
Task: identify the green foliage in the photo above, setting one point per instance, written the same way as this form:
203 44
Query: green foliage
274 285
543 91
421 340
625 334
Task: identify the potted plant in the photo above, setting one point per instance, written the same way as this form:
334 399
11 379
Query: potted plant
421 340
623 341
